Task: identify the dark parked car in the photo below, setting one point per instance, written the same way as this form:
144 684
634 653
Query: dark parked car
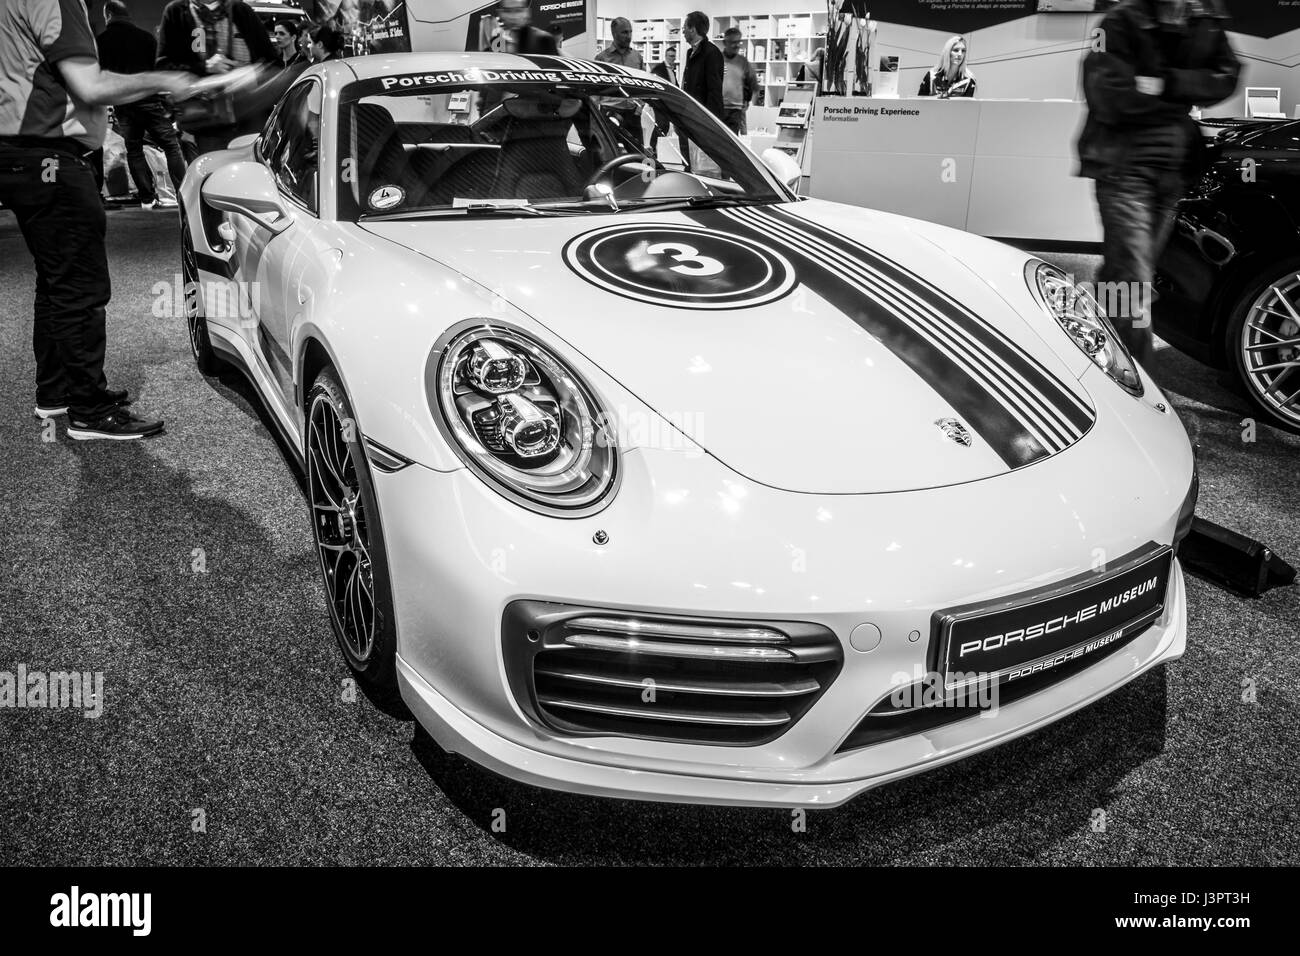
1229 282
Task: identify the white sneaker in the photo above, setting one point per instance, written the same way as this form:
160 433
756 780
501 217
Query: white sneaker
158 204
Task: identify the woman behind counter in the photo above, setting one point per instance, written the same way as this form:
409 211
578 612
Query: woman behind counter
950 76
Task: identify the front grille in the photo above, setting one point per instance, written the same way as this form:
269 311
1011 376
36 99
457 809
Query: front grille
590 671
884 722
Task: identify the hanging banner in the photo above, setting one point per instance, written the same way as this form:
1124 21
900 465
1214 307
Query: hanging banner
952 16
1260 18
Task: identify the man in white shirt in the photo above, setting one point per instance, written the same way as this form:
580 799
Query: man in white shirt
739 80
626 112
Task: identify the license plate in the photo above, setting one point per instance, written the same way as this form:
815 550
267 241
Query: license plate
1029 634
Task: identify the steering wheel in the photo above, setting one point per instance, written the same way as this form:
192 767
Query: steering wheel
614 164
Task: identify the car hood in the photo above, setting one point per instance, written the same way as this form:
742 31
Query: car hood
809 346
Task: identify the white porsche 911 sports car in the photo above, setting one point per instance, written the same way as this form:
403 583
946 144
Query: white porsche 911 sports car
634 474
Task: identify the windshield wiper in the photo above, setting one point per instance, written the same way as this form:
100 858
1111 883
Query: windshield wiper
700 202
464 212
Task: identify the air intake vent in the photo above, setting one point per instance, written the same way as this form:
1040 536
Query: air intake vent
585 671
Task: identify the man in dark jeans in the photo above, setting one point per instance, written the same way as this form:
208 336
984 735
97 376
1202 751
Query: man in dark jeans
125 48
52 119
1151 62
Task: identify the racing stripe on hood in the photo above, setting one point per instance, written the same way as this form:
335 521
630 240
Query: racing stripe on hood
1060 416
964 386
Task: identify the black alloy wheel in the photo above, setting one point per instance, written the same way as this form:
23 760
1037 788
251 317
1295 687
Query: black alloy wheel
349 537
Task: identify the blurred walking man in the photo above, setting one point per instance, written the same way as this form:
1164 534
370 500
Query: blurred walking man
1152 61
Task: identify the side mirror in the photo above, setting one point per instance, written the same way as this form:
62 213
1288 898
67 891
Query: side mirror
247 189
243 142
782 166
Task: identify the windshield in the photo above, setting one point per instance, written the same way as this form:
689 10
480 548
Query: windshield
500 142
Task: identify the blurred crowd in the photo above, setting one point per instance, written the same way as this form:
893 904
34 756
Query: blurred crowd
150 141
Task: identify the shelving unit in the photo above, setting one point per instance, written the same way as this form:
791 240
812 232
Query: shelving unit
777 44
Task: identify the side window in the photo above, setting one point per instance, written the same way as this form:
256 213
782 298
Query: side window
290 145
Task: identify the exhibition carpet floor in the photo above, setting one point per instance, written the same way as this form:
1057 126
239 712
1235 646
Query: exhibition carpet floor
223 689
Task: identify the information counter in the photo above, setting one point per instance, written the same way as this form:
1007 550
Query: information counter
1000 168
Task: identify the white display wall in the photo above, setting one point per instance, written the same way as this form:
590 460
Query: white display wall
1035 57
778 44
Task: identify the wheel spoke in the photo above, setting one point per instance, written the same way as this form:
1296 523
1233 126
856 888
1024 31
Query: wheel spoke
349 617
343 458
1285 316
1276 384
330 561
353 610
325 461
1295 316
1275 366
1281 343
335 499
338 457
366 607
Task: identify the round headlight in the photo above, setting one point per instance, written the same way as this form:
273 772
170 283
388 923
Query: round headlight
1077 311
521 419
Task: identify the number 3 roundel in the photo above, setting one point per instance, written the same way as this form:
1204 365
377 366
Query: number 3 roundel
679 265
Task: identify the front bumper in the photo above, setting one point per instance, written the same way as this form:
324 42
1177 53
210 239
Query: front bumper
828 783
687 536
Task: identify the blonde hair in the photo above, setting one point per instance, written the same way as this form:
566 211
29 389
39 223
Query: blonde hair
944 67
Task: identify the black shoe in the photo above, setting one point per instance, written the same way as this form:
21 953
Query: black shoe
117 425
114 396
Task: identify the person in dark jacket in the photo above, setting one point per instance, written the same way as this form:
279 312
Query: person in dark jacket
126 48
326 44
667 71
702 78
215 36
284 37
1151 62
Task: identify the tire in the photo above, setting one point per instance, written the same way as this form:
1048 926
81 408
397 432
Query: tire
349 539
205 357
1262 344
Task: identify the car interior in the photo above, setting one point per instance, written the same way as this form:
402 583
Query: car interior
463 145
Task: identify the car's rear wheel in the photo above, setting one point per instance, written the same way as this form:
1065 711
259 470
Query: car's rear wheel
205 357
349 538
1263 344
